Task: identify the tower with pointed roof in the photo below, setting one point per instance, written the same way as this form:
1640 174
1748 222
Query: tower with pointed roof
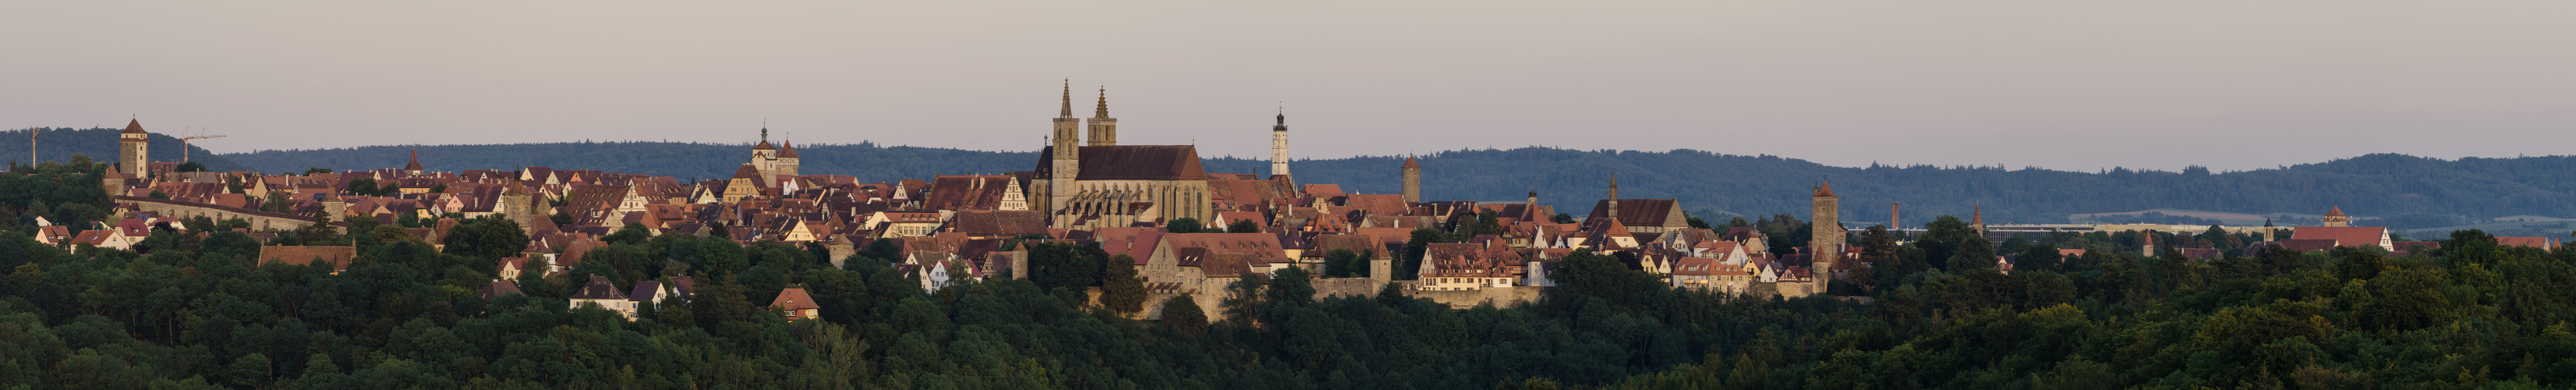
2267 229
413 168
2336 218
2148 246
1279 149
1825 235
1066 151
1104 129
788 163
133 148
1412 191
1978 221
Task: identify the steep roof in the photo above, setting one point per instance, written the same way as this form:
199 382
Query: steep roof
787 149
599 288
747 172
415 161
1409 163
133 126
500 287
2336 212
1639 212
2342 236
1132 162
1000 223
1824 190
967 192
793 299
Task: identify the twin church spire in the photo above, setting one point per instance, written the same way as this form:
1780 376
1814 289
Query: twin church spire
1102 129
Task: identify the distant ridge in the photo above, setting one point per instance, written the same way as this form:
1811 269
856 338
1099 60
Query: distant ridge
1707 183
59 144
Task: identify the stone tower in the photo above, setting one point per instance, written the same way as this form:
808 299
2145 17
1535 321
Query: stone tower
2267 229
1412 180
764 156
1978 221
1066 150
1614 197
1104 129
2150 246
1826 232
788 162
516 208
1279 148
133 148
2334 218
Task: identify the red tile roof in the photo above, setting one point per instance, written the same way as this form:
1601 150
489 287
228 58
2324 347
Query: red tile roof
133 126
793 299
2342 236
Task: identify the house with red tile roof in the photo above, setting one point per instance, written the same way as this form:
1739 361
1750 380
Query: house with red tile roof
796 305
2345 236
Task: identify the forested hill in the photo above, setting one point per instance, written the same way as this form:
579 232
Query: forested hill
2371 185
59 144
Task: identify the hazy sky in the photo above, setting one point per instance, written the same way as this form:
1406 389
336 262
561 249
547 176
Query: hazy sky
2056 84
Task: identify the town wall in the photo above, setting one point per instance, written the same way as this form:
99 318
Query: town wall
1498 296
259 220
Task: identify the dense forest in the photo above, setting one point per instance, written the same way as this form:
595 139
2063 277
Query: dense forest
185 311
1706 183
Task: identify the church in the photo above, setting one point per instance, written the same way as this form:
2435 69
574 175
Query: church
1099 183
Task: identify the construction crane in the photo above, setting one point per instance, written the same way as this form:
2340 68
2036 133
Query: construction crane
184 136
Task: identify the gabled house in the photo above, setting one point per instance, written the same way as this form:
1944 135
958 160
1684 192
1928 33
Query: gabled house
796 305
599 292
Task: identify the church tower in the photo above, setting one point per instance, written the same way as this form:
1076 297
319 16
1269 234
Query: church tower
1067 153
1279 149
133 149
1104 129
1412 191
1825 232
2334 218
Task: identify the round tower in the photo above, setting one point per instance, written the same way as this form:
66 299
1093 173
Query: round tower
1412 180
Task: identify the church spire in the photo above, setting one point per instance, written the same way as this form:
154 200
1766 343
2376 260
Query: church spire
1067 111
1103 110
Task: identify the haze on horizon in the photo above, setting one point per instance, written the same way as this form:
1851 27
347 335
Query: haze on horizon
2060 85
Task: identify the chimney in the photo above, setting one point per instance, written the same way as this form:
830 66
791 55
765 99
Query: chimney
1892 208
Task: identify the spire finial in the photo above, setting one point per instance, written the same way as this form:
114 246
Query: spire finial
1067 111
1103 111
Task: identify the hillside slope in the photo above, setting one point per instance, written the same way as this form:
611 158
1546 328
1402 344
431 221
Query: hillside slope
2378 184
59 144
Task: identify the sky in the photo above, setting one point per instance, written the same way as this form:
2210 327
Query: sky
2069 85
